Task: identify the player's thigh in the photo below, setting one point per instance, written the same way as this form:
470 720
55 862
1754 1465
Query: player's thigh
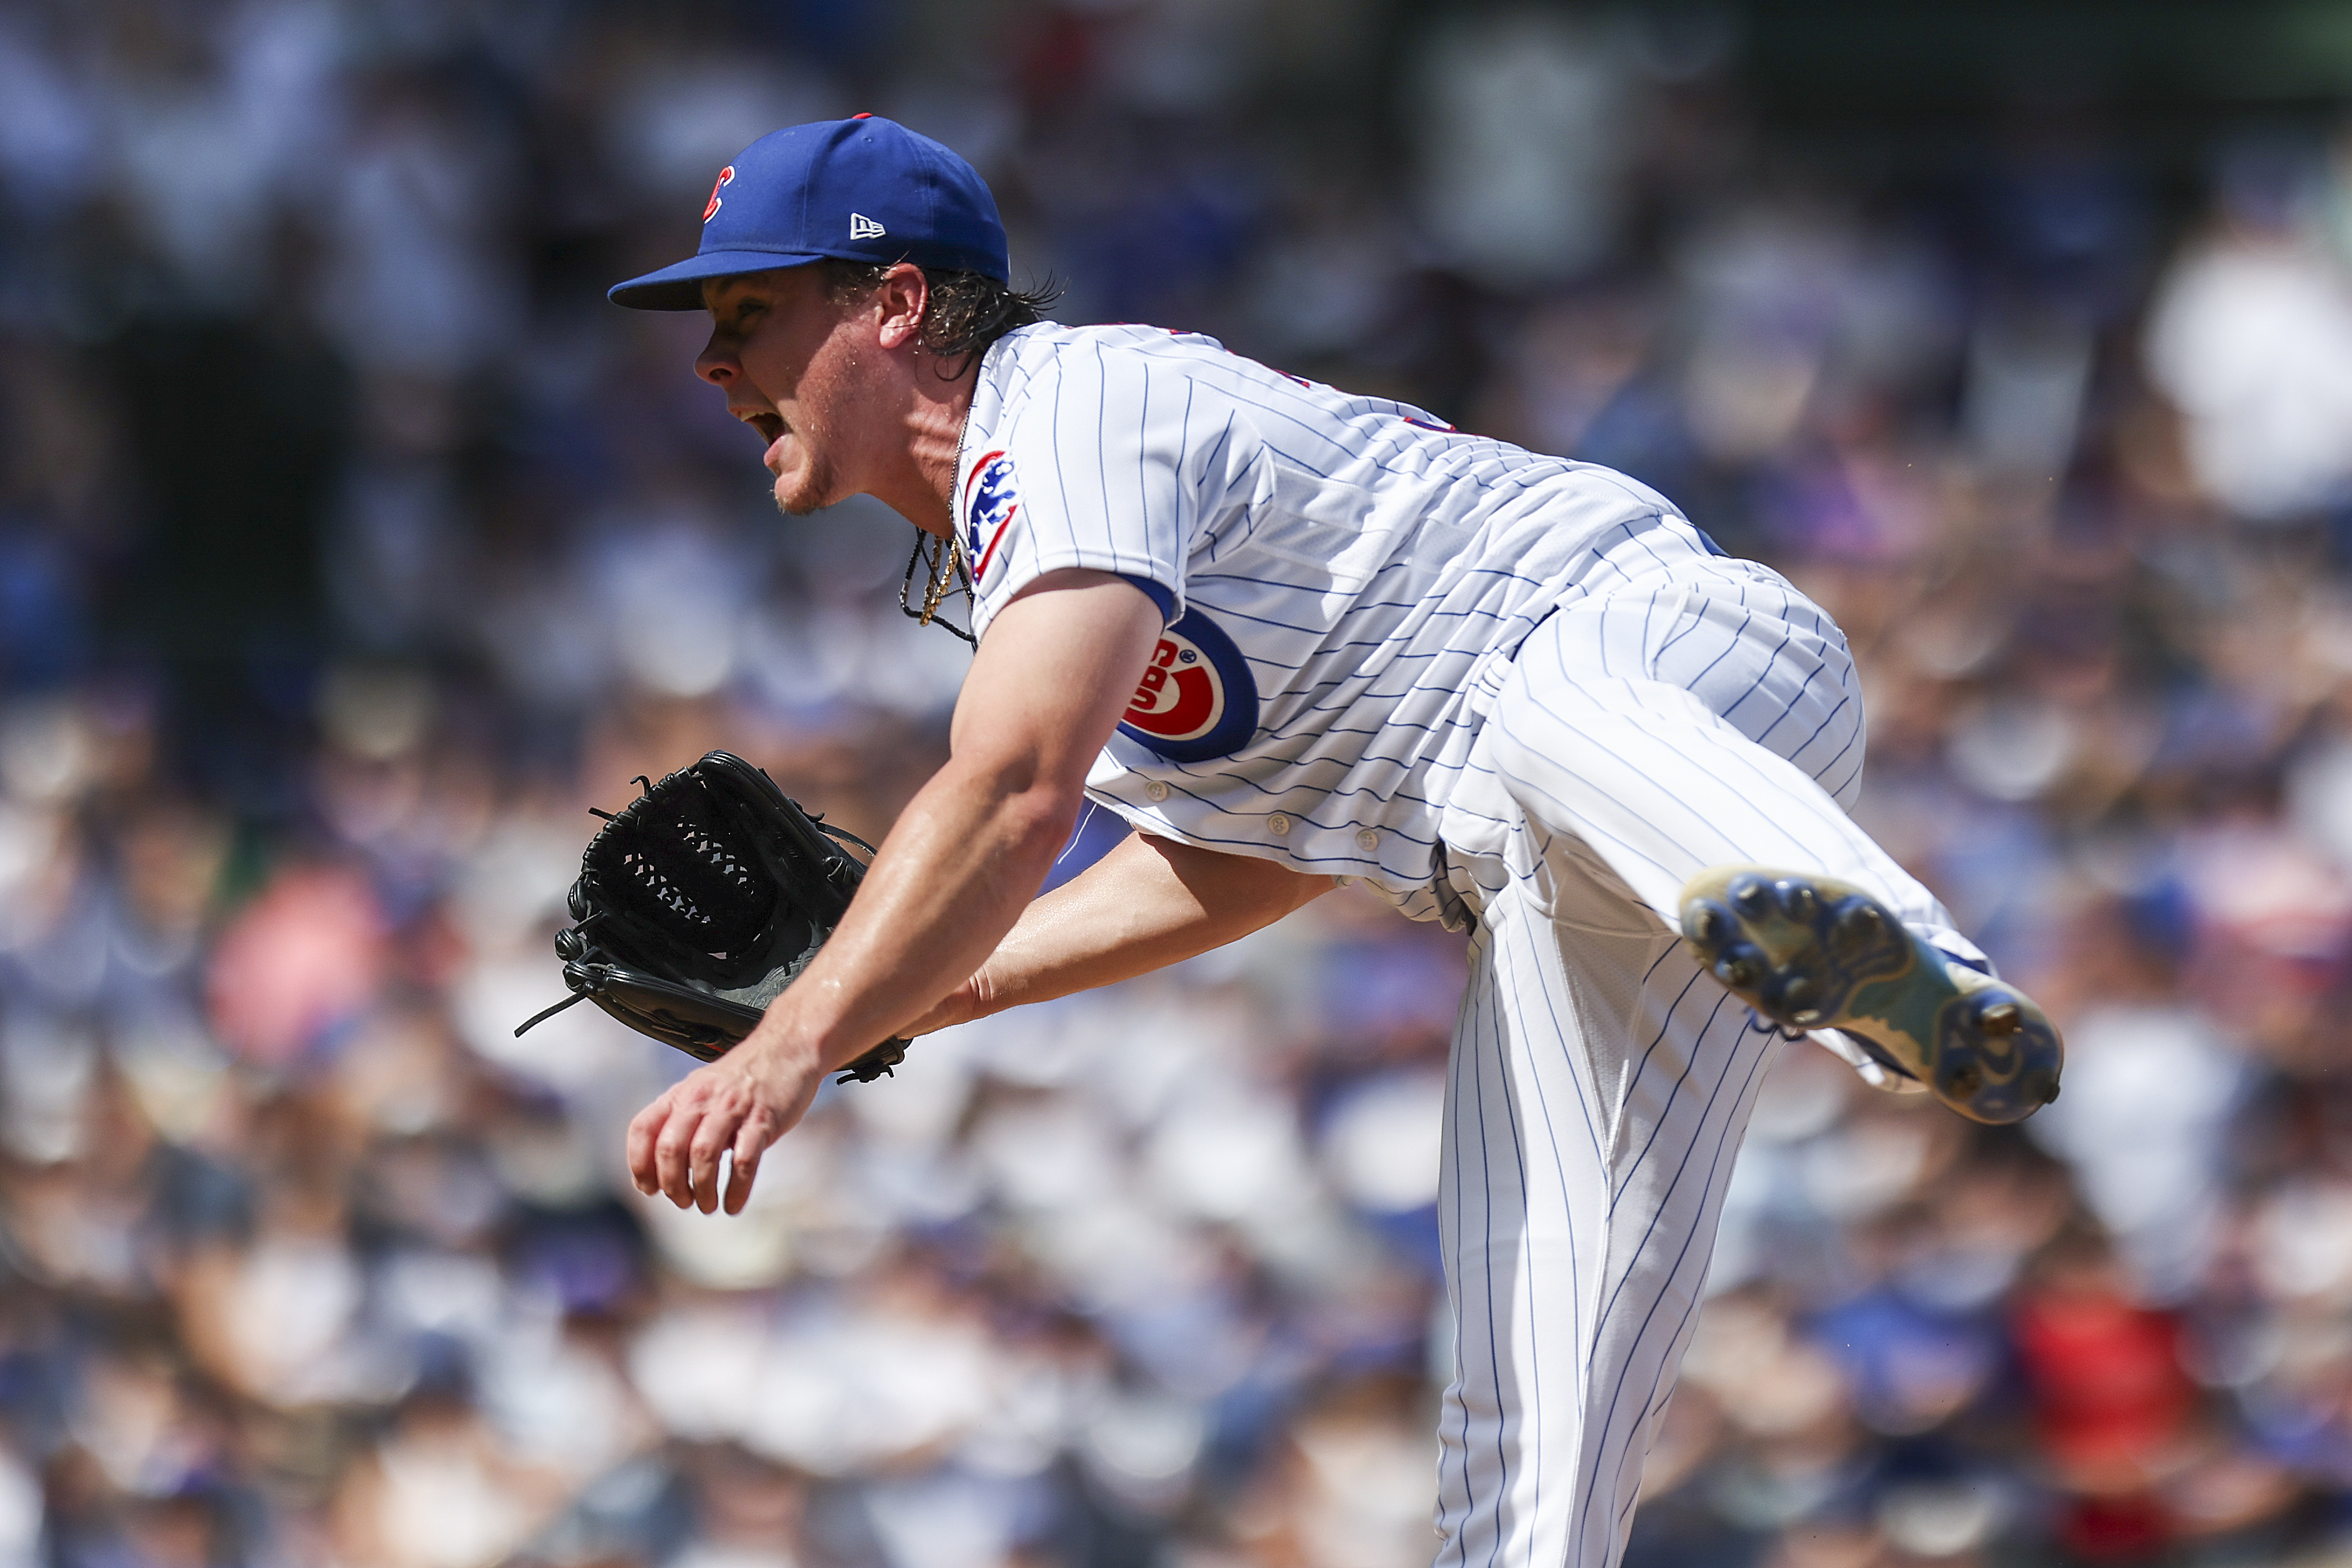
1753 649
1601 1019
1647 776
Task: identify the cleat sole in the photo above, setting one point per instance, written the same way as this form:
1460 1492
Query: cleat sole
1808 952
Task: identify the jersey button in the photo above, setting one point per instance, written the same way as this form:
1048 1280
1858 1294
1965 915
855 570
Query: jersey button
1369 839
1277 824
1155 791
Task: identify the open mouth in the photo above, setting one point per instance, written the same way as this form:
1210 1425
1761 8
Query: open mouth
769 426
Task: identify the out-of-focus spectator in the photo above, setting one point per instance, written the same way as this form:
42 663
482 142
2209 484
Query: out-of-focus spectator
2250 335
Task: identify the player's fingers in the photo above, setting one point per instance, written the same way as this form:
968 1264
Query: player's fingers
711 1136
644 1128
749 1143
671 1172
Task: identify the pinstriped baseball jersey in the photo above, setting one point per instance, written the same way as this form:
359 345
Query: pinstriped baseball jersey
1343 578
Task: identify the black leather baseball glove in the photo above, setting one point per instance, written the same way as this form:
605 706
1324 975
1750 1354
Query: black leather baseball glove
700 901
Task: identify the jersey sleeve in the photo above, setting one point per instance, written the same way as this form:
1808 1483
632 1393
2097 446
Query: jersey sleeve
1087 470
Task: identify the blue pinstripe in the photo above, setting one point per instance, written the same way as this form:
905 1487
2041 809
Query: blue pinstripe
1648 1052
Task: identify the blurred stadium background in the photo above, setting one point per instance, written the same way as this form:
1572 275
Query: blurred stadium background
351 545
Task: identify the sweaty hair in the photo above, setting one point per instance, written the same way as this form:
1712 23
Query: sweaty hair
968 310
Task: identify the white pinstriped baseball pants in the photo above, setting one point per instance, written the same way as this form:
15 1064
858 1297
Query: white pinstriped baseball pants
1700 712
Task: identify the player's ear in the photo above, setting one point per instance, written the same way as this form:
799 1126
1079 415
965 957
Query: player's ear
902 297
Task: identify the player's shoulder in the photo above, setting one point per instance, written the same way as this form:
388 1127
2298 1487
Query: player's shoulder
1048 378
1049 348
1124 365
1636 498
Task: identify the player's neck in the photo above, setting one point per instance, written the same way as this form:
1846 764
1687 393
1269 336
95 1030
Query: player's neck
922 487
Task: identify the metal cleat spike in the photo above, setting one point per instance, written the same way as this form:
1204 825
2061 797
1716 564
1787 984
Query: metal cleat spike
1857 923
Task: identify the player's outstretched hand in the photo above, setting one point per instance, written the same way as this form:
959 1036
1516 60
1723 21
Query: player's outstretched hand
744 1101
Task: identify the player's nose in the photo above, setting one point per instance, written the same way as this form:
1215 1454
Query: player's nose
716 363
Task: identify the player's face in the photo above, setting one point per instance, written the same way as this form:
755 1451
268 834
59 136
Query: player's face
787 358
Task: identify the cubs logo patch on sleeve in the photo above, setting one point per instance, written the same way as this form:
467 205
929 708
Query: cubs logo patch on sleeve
1197 698
990 499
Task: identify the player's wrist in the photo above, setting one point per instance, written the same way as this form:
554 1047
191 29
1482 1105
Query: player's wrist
777 1050
976 997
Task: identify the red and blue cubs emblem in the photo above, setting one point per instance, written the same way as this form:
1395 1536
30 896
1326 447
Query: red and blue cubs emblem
726 176
1197 699
990 500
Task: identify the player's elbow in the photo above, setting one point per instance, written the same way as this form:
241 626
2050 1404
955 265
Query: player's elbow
1045 810
1035 808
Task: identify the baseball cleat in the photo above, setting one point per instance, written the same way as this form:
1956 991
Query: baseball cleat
1811 953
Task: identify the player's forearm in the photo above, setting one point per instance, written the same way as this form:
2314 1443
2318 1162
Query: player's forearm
1148 903
950 881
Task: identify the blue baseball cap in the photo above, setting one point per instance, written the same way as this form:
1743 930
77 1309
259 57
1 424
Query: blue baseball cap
863 189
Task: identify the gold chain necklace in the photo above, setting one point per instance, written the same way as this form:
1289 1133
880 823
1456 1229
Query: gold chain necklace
946 572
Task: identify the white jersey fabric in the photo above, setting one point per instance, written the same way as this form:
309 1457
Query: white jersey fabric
1344 579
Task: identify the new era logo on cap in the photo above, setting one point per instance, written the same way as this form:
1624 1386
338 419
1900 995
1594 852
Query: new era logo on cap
863 228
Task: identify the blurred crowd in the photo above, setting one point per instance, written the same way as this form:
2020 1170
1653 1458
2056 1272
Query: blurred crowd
351 546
